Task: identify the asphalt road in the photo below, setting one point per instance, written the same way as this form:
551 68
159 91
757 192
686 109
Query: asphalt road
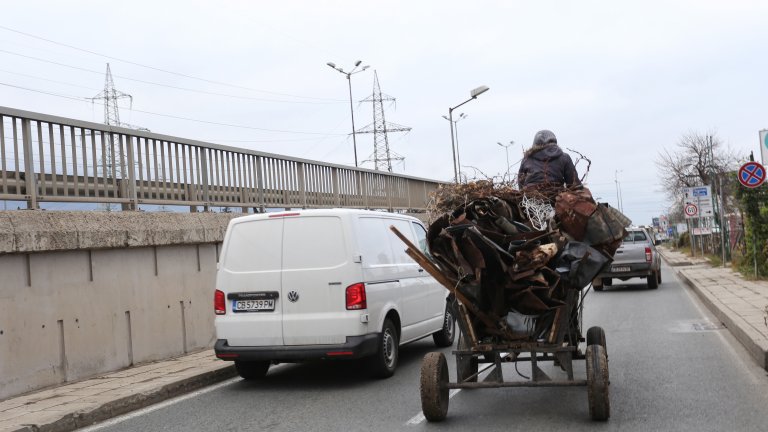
672 368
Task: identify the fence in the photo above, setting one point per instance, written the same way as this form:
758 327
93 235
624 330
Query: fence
46 158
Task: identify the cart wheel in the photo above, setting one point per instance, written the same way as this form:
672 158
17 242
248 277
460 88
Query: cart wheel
466 365
597 284
596 336
434 387
597 383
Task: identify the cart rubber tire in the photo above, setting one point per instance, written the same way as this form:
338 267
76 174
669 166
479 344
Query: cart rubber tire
596 336
465 365
444 337
597 383
597 284
251 370
434 387
653 281
384 362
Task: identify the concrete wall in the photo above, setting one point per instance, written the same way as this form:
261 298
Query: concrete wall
86 293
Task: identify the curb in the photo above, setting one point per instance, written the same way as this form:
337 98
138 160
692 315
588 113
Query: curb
735 324
117 407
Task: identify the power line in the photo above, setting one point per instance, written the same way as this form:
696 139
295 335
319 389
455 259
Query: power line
158 69
177 117
330 101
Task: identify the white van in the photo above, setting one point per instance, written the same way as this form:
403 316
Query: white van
324 284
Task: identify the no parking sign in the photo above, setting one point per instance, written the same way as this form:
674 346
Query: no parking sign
751 174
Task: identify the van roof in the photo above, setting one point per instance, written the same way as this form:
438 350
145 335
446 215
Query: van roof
321 212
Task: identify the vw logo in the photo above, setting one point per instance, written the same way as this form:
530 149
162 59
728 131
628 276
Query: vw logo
293 296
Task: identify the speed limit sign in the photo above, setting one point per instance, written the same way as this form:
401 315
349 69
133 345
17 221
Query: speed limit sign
691 210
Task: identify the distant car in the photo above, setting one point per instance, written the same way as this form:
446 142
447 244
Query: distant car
637 257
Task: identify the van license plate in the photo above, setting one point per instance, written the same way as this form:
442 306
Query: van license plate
619 269
266 305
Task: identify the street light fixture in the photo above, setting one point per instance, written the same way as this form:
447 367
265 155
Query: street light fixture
473 95
506 149
349 82
618 190
462 116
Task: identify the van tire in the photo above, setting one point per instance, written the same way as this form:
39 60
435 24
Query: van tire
444 337
251 370
384 362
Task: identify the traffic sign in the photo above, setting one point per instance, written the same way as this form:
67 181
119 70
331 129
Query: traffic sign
751 174
701 197
691 210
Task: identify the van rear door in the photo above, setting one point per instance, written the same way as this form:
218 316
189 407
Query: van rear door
317 268
251 266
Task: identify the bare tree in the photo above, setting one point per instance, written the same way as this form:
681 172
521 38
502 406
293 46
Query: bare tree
698 159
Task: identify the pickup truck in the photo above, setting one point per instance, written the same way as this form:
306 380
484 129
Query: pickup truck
637 257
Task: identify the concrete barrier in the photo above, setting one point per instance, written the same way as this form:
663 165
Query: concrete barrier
83 293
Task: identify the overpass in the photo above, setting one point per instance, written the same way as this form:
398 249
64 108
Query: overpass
84 293
46 158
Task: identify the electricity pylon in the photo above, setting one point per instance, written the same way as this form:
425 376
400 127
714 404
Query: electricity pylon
382 155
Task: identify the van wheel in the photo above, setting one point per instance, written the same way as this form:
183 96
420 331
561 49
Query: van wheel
383 363
444 337
251 370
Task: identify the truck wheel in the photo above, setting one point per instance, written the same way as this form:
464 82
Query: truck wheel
251 370
653 281
444 337
383 363
607 281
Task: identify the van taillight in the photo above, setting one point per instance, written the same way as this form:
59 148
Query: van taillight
648 254
219 305
356 297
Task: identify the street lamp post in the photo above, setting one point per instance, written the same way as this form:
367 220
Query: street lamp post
462 116
349 82
506 150
618 190
473 95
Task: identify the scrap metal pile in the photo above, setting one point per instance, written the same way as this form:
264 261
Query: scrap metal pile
517 258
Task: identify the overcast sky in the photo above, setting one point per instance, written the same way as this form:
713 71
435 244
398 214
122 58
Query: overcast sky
616 81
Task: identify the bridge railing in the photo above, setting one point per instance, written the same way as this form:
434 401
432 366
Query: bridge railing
46 158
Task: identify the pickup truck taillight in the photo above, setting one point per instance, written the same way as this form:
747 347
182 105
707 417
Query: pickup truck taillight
356 297
648 256
219 305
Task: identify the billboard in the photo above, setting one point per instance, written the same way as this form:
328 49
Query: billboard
764 146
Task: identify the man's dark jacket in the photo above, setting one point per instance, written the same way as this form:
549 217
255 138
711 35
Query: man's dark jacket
547 164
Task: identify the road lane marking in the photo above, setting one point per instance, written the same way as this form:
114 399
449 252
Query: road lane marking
159 406
418 418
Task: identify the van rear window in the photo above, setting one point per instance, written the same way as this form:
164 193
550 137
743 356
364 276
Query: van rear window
313 243
254 246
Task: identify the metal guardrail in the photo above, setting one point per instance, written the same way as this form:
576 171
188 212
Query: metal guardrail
46 158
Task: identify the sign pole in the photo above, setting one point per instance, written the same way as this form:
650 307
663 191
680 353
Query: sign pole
701 231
